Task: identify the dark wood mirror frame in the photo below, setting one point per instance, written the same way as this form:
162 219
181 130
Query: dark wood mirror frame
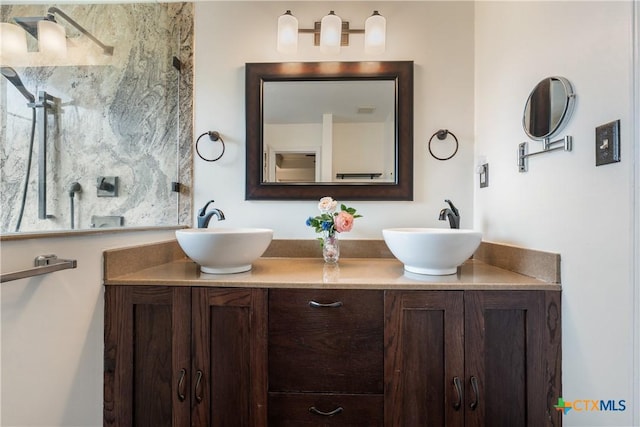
399 71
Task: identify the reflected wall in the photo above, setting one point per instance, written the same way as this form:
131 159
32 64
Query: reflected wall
128 116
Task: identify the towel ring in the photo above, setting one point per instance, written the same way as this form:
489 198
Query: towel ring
213 136
442 135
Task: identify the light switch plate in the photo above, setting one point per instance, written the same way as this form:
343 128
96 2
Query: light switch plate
608 143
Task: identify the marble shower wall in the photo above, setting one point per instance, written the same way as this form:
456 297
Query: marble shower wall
130 117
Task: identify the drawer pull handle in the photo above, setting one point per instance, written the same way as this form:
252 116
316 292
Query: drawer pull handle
476 394
316 411
181 395
458 387
197 387
316 304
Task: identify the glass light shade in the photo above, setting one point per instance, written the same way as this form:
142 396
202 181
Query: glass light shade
330 33
13 40
287 33
52 38
375 28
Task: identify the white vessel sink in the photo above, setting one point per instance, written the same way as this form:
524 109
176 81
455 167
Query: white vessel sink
434 251
224 250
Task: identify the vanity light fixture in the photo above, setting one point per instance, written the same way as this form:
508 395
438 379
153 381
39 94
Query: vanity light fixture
331 33
51 36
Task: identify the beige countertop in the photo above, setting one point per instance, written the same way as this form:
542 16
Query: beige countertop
350 273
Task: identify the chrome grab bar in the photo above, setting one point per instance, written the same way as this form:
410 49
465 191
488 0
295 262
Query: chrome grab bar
43 264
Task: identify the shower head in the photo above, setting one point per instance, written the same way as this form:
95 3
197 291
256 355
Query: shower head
14 78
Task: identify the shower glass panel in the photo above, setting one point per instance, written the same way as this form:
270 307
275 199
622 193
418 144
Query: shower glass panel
118 130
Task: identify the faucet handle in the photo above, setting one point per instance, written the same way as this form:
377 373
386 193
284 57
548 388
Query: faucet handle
202 211
453 208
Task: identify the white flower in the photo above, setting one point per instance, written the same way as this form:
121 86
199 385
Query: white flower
327 205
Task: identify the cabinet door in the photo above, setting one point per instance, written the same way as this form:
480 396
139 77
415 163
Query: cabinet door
229 379
424 365
147 356
512 344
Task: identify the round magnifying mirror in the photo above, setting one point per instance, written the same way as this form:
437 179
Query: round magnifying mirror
548 107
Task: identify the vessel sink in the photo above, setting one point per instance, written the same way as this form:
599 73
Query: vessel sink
224 250
433 251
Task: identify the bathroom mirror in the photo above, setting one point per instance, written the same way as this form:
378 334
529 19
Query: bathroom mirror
339 128
548 108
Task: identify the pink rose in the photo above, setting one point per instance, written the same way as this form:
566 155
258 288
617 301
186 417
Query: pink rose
343 222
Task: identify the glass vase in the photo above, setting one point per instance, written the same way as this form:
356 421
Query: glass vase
331 249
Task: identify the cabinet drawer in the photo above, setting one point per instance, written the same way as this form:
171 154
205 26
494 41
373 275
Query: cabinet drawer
344 410
337 348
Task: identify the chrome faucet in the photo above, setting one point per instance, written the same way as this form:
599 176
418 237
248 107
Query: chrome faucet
450 213
204 217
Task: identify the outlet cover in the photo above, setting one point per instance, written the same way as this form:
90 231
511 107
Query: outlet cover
608 143
483 172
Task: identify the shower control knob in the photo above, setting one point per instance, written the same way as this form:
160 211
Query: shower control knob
107 186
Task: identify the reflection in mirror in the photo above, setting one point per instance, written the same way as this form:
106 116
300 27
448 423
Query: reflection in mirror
292 166
118 130
344 128
548 107
328 125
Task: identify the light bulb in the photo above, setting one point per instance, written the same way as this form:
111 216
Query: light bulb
13 40
287 33
52 38
375 28
330 33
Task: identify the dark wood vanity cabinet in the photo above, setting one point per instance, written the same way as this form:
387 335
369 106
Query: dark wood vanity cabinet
472 358
206 356
180 356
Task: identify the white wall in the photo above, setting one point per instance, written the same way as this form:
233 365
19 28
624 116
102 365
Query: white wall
636 210
437 36
564 203
52 331
354 139
293 138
